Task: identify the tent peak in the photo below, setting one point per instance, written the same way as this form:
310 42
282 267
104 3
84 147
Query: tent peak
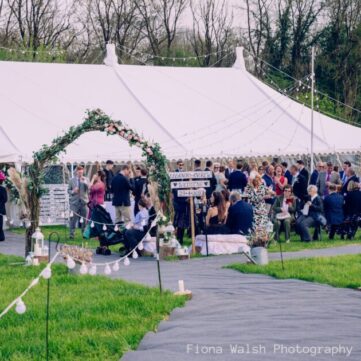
111 58
239 63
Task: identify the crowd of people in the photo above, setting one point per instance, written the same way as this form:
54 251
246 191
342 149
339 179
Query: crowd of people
244 197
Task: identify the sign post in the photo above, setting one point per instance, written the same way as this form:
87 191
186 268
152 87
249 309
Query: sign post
194 184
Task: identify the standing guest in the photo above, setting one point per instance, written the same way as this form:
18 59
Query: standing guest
284 210
269 183
280 180
226 195
333 207
78 189
257 192
151 212
327 177
343 174
240 215
180 166
140 187
217 214
97 190
265 164
311 215
320 167
121 188
246 169
197 165
237 180
302 169
350 176
137 175
213 180
286 172
3 200
299 184
109 175
220 177
260 170
230 169
352 208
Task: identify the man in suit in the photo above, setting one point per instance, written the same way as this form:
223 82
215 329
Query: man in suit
303 171
286 172
320 167
140 188
326 177
213 180
333 206
121 188
350 176
197 166
299 184
240 215
109 175
78 190
311 217
237 179
343 174
230 169
3 200
270 184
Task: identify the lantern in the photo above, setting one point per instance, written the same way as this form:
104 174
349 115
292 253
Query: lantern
37 240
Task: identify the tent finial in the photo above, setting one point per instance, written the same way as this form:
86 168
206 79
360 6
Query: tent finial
239 63
111 58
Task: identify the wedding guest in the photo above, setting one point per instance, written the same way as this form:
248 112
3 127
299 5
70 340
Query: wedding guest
311 215
333 207
260 170
280 180
269 183
151 212
343 174
109 175
97 190
197 165
286 172
302 170
229 170
78 190
299 184
213 180
284 210
3 200
326 177
246 169
237 180
240 215
138 229
352 208
121 188
320 167
180 166
140 187
220 177
217 214
350 176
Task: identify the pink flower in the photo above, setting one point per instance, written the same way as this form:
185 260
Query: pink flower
149 151
130 136
122 133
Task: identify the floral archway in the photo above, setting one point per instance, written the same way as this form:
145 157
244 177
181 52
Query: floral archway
95 120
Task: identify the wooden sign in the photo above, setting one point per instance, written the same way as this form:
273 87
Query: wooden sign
190 175
190 193
190 184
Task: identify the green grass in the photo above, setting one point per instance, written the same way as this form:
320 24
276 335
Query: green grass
91 318
339 271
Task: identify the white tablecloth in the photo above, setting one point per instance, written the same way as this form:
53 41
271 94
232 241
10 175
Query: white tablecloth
222 244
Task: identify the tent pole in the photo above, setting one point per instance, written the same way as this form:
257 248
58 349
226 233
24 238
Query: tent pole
312 96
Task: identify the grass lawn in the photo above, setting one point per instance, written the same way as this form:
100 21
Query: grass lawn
339 271
91 318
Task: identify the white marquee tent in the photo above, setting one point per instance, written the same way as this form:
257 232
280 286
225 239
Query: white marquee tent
191 112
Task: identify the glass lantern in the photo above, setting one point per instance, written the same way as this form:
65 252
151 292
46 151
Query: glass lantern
37 240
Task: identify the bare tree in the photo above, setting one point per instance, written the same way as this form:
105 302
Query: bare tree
212 31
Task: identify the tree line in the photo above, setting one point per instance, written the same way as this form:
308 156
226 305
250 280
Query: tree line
278 34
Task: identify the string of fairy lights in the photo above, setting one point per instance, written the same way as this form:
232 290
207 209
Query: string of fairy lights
90 268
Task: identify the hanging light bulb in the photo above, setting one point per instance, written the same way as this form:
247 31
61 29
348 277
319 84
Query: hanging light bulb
126 261
83 269
71 214
148 237
81 220
62 215
104 227
70 263
93 270
46 274
92 225
116 228
11 222
135 254
20 307
140 246
107 270
116 267
28 224
48 220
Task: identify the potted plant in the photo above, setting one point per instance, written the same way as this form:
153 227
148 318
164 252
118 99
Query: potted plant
167 240
258 242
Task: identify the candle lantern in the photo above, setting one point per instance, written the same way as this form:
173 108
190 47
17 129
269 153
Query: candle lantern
39 250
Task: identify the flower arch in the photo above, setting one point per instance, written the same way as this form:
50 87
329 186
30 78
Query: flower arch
96 120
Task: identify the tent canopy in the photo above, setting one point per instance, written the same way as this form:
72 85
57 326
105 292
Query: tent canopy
8 151
191 112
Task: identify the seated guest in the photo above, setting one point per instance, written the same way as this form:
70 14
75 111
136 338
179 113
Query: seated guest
352 209
284 210
138 229
217 214
237 180
333 206
311 215
350 176
240 215
226 194
280 180
151 212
